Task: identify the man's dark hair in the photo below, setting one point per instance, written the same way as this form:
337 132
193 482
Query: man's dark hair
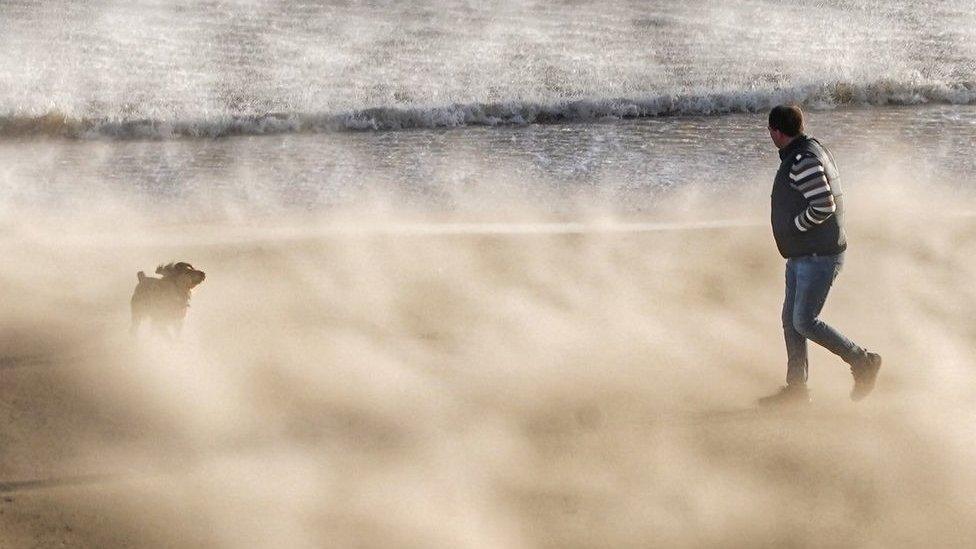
787 119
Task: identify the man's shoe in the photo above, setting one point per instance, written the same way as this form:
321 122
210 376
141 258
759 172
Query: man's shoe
865 372
787 395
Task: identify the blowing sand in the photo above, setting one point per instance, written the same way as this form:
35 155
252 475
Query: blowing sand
484 388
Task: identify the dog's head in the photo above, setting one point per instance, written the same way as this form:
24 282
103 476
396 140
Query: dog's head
182 273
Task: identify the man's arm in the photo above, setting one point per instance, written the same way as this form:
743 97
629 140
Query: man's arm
807 177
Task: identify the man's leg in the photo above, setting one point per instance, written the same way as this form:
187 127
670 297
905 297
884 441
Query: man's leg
814 276
795 391
796 343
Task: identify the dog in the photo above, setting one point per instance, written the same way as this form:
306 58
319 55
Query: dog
165 300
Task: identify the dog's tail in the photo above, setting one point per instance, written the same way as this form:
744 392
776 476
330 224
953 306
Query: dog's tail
141 275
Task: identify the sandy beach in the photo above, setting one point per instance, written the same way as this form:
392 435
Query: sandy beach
386 387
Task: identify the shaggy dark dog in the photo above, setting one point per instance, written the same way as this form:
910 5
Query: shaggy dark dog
165 300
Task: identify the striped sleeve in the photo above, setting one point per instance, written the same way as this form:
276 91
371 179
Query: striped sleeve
807 177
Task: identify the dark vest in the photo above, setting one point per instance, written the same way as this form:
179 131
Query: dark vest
829 237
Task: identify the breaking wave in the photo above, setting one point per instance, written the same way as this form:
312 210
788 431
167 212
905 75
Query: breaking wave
816 96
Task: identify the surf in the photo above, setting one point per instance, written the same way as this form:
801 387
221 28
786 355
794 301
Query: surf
510 113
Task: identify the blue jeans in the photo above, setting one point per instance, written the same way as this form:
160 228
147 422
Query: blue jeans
808 281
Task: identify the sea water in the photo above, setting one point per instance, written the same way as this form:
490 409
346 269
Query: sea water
626 165
420 99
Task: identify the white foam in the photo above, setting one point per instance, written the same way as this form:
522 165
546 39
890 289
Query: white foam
704 103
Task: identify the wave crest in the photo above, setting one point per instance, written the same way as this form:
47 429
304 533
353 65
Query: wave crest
709 102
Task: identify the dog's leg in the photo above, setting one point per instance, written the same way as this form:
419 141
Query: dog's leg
137 317
166 329
160 328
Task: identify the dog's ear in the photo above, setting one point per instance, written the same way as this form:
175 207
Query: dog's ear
166 270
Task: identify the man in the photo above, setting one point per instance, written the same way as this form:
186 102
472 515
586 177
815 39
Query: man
808 226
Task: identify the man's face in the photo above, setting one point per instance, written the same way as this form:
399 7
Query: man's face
779 138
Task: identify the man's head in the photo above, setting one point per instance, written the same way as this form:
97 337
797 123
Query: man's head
785 123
